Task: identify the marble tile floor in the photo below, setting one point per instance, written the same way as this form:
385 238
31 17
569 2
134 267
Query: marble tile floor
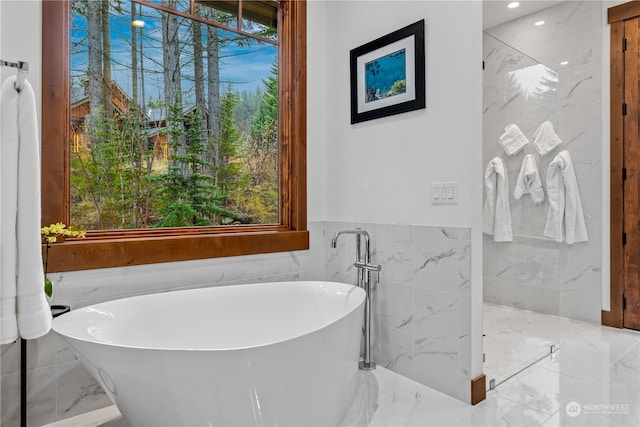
515 339
592 380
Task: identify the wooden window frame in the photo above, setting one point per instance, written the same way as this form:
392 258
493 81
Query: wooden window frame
102 249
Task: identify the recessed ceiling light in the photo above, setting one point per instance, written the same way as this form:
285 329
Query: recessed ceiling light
513 5
564 62
537 24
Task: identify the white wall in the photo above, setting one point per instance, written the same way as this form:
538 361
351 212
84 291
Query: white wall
381 170
21 36
317 26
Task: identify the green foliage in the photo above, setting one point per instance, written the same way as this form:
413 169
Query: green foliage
246 109
257 191
264 132
209 178
177 214
134 171
110 173
48 287
98 174
187 195
228 142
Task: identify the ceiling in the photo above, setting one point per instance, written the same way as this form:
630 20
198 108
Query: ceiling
495 12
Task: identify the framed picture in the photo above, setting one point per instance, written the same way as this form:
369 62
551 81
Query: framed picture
387 75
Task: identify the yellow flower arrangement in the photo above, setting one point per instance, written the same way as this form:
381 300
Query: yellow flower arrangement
50 235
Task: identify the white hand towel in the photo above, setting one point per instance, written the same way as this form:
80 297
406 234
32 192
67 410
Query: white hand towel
24 307
512 140
497 211
529 181
565 220
545 138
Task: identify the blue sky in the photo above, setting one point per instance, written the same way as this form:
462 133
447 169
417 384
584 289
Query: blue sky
244 67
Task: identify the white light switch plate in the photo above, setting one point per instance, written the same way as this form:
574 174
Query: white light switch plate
444 193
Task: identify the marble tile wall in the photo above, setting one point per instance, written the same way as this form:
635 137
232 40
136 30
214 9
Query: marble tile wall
421 324
534 272
421 306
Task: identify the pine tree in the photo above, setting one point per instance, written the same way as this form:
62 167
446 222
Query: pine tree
192 198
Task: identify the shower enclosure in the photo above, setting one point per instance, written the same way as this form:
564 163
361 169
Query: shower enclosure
521 277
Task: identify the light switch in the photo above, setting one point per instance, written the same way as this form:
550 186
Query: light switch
444 193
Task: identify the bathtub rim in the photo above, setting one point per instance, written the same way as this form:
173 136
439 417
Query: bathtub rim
354 289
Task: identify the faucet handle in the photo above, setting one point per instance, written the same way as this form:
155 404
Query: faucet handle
374 268
369 267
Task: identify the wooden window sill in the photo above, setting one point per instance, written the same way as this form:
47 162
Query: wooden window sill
91 253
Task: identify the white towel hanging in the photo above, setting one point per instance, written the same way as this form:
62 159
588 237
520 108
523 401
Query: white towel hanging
529 181
25 310
497 210
565 220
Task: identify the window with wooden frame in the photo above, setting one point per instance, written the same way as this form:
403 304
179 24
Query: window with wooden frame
70 127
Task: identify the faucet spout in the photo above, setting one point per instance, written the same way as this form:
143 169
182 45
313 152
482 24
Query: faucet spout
357 232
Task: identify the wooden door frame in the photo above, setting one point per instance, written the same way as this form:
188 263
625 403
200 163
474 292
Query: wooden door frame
616 17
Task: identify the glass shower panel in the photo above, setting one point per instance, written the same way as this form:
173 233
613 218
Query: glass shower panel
521 277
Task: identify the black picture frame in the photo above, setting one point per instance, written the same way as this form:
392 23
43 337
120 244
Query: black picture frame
375 65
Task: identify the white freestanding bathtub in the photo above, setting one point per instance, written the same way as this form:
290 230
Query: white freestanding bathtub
260 354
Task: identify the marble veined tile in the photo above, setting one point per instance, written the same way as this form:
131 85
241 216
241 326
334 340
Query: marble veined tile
436 264
436 363
393 349
624 387
431 232
41 393
588 359
611 398
543 389
497 410
514 339
587 420
41 351
386 399
435 313
78 392
395 253
87 284
105 417
393 305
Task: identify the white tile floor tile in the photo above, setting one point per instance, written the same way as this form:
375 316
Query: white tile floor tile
596 367
513 339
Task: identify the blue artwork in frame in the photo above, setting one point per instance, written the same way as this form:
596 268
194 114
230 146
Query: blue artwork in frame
387 74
